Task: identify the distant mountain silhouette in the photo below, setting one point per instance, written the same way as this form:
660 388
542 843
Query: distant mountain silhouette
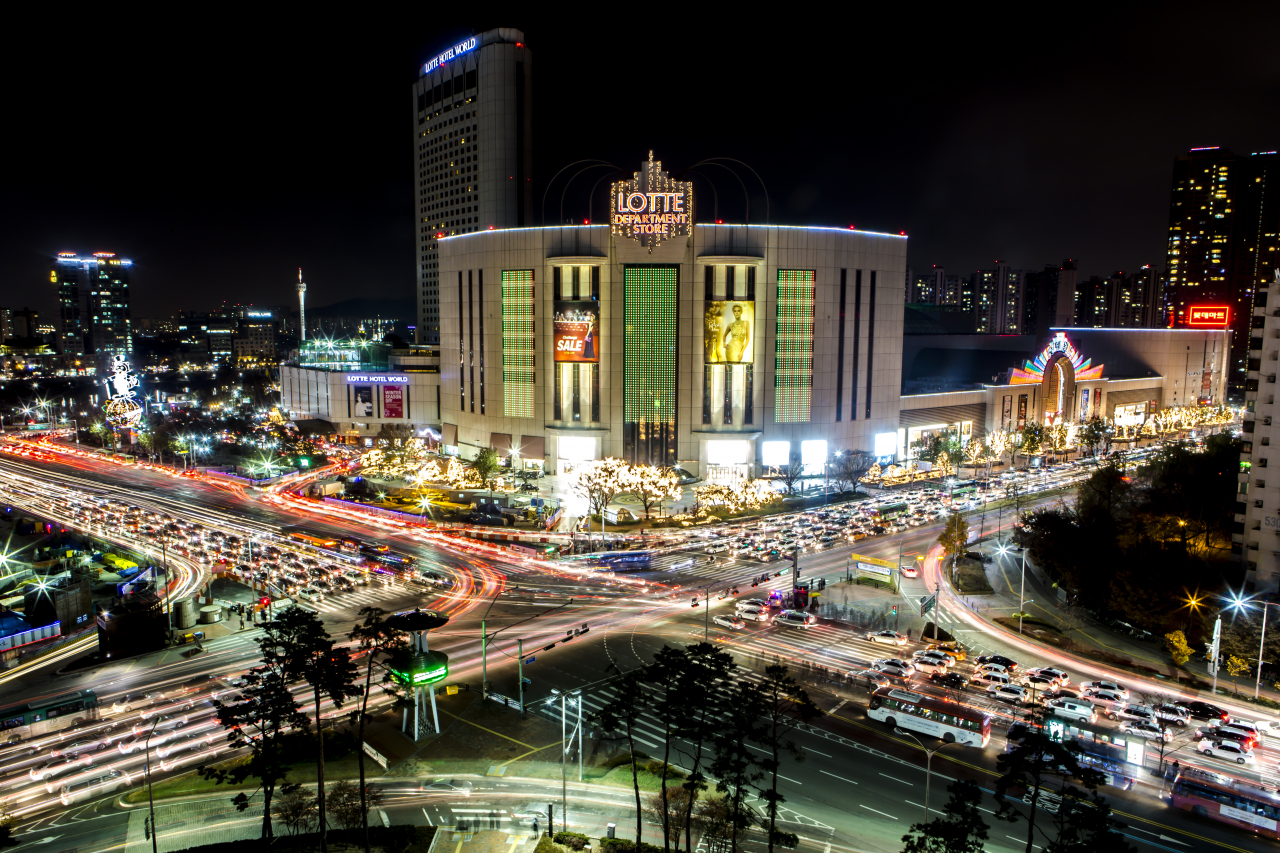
400 309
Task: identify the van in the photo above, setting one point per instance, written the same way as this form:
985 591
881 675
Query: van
795 619
1073 709
106 783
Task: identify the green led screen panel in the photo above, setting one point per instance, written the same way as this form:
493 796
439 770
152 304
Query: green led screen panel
517 343
793 364
650 300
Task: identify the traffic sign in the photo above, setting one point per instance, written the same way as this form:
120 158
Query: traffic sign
927 603
528 661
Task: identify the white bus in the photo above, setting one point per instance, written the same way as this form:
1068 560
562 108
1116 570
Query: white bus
941 718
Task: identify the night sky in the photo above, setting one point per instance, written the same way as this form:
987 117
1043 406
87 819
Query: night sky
222 156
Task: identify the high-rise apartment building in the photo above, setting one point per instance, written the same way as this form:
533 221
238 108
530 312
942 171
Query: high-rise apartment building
1224 239
93 303
998 297
1135 300
473 140
1049 299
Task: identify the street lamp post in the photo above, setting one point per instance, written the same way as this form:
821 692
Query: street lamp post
1022 588
151 803
564 748
928 765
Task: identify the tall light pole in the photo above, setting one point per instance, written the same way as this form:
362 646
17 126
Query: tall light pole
151 803
1241 605
1022 588
564 748
928 765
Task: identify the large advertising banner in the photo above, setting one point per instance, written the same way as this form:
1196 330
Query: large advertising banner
393 401
1022 411
728 329
1006 412
576 328
363 396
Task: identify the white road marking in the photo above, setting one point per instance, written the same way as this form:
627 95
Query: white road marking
896 779
834 776
868 808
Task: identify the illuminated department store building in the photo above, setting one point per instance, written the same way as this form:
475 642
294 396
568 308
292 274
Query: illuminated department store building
658 339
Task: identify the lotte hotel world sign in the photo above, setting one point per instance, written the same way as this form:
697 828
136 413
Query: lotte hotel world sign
652 207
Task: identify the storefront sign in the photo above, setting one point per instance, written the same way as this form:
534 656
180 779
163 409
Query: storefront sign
378 378
393 401
450 54
652 207
576 331
1213 316
728 328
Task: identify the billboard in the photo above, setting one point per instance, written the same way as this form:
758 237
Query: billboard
1209 316
393 401
363 396
728 329
575 329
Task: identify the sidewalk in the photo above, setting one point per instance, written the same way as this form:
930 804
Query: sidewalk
1079 635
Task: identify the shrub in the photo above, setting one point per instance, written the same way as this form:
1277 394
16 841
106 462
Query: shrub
624 845
572 840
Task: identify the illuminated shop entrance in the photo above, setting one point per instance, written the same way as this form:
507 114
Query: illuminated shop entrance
650 310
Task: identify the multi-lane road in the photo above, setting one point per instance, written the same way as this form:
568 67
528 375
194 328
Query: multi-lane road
859 788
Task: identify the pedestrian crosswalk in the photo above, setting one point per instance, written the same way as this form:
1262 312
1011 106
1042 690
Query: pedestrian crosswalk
346 602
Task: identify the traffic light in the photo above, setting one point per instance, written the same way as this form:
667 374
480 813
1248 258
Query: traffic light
264 601
895 610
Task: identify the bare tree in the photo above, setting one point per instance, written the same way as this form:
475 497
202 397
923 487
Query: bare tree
792 473
297 809
848 467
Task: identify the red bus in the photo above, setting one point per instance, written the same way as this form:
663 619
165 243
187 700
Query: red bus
1232 801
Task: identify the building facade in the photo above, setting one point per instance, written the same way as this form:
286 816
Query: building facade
1122 375
1224 239
998 300
473 143
1257 522
722 349
359 387
93 304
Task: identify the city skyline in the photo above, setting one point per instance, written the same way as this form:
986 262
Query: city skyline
959 161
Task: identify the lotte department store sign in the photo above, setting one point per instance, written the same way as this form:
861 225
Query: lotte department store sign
652 207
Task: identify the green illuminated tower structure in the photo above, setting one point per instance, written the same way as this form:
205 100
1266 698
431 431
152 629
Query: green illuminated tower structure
418 668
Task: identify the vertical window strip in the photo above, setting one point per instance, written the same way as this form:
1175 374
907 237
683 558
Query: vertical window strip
728 394
480 290
748 394
840 352
471 337
462 352
595 390
650 314
871 336
575 391
751 283
706 394
558 406
709 283
793 355
857 338
517 343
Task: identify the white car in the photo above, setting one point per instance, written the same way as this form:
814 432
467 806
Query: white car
929 665
990 667
1150 731
893 638
1056 676
717 547
310 593
1106 698
753 614
1227 750
1106 685
729 622
935 655
898 668
1011 693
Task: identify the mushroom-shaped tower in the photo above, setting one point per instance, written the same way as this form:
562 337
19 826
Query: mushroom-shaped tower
418 668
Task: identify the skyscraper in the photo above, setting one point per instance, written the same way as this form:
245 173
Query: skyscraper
93 303
473 140
1049 299
1224 239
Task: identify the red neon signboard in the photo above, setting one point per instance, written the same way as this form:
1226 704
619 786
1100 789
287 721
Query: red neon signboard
1208 315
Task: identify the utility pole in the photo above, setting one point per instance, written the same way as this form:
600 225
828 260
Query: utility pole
1022 588
151 803
520 653
1213 657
